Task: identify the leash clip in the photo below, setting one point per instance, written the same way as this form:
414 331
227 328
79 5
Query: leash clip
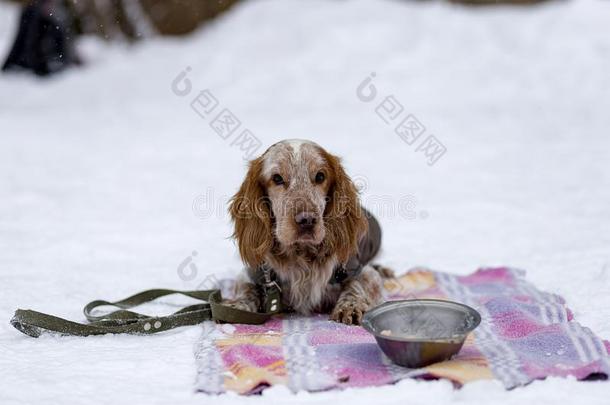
271 293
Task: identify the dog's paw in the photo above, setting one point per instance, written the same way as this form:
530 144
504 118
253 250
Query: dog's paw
384 272
349 312
244 305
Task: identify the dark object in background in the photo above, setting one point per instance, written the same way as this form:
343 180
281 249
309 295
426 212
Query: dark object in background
180 17
133 20
48 28
45 41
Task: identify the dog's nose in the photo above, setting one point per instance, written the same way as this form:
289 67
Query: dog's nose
305 220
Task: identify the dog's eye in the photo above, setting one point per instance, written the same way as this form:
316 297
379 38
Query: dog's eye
277 179
320 178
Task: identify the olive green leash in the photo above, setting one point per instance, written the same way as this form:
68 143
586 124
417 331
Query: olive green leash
34 323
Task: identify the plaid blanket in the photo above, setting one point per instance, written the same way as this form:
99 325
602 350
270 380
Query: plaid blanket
525 334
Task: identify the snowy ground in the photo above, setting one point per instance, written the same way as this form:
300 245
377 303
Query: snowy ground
100 168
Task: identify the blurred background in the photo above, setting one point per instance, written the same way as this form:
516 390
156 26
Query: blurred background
49 28
476 131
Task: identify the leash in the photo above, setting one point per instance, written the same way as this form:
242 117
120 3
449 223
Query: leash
34 323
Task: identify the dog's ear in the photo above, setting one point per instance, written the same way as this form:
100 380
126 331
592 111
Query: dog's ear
251 216
344 218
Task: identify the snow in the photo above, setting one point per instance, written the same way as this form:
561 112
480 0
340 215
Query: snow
101 166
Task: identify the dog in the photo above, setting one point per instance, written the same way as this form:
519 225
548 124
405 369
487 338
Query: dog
297 212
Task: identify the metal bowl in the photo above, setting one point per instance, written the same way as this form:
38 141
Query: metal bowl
416 333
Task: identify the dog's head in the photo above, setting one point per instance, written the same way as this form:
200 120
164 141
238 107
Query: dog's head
296 194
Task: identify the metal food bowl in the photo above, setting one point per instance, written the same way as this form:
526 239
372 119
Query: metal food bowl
416 333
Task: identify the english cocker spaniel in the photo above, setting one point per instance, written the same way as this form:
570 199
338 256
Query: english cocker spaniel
297 215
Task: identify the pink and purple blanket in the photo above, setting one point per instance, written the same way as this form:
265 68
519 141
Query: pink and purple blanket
525 334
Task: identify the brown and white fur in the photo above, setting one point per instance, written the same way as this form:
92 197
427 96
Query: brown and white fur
298 212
